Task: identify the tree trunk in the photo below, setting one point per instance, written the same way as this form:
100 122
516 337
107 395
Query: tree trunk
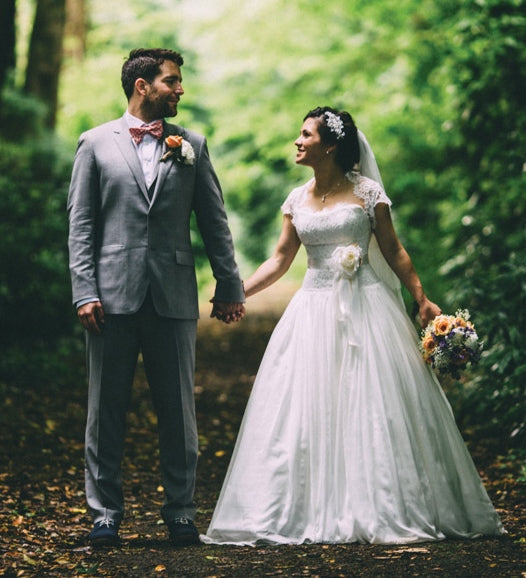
45 55
75 31
7 39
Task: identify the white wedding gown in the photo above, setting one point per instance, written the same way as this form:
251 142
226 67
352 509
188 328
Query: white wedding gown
347 436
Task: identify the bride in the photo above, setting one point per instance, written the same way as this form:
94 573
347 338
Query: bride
347 436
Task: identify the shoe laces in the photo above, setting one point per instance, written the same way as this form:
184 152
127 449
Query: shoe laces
185 521
106 522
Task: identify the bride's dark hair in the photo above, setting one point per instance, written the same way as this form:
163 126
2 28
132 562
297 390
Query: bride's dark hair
348 150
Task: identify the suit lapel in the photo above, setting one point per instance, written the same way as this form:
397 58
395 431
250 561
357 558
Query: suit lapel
164 167
125 144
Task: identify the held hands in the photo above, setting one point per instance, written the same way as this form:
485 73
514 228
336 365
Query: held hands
227 312
91 316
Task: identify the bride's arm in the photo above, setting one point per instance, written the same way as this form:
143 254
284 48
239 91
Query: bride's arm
278 264
400 262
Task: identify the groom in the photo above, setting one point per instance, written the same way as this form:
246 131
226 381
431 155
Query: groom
134 283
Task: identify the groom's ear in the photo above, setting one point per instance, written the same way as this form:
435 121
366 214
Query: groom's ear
141 86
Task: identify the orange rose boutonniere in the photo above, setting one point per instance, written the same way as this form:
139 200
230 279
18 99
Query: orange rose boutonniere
179 148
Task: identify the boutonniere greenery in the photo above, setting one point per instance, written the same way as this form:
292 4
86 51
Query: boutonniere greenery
180 149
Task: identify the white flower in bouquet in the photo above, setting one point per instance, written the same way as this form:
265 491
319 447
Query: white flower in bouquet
457 336
471 340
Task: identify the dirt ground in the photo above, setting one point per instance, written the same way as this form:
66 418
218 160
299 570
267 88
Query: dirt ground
44 524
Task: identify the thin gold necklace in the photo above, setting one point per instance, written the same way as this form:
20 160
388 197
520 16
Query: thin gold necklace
331 191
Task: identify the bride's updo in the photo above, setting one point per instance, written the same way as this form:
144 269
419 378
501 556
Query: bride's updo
338 128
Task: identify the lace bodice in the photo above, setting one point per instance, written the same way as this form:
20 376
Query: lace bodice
339 225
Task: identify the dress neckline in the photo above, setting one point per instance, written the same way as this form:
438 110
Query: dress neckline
340 204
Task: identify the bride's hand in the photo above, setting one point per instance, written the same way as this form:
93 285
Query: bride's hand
427 311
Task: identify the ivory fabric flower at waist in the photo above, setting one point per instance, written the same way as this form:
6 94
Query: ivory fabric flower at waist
322 273
327 263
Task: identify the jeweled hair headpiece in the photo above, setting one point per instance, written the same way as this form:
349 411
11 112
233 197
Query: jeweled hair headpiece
335 124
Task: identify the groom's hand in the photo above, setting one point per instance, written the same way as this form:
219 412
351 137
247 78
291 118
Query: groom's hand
91 316
228 312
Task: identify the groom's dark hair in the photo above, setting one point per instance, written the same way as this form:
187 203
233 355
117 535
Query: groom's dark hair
145 63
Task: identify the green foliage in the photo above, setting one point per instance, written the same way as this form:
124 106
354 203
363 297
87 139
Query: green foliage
491 77
35 298
437 86
20 115
481 53
272 75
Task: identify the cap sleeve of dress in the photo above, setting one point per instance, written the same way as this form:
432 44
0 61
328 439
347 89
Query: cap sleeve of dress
372 194
291 202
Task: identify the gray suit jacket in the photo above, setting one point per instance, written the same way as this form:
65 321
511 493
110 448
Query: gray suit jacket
120 243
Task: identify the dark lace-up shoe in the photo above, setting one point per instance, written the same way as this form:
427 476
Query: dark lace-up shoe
183 532
104 533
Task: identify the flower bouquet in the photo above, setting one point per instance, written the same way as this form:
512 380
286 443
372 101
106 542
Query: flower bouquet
450 342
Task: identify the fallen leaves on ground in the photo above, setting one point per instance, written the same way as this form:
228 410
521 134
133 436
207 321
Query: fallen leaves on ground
43 518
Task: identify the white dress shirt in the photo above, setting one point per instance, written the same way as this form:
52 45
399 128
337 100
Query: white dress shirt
148 150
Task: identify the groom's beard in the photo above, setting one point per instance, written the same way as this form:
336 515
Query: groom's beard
159 108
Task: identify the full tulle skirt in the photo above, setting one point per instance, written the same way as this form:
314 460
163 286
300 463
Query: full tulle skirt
348 437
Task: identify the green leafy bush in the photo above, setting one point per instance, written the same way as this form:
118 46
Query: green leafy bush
35 304
481 52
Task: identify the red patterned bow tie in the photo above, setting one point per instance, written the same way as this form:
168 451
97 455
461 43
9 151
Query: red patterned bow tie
155 129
